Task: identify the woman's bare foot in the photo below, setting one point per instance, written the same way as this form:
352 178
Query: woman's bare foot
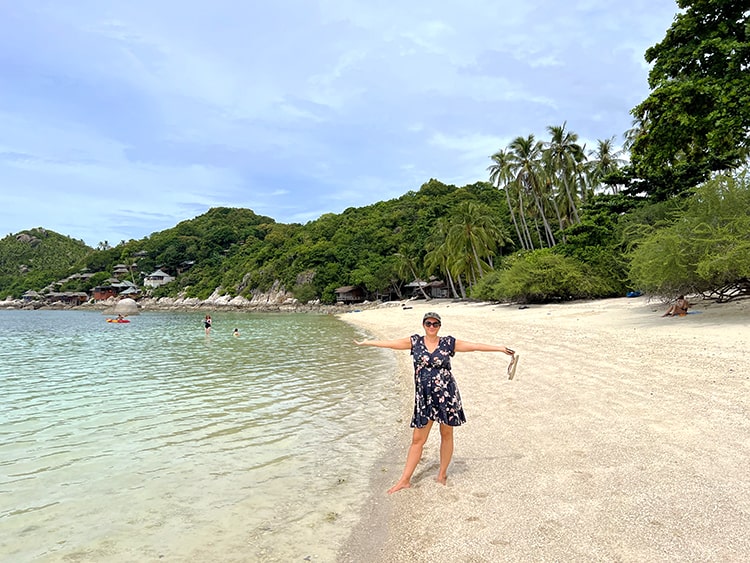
442 479
398 486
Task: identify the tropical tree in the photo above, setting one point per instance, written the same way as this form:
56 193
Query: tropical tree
438 257
502 178
407 266
550 179
565 155
706 246
632 134
525 155
697 117
604 161
473 238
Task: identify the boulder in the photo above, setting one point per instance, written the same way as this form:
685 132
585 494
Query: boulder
126 306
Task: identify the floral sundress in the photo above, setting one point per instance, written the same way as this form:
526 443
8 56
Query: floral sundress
436 395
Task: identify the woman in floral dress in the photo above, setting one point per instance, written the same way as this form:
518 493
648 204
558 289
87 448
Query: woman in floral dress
436 396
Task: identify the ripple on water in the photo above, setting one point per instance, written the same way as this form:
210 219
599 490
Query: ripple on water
153 439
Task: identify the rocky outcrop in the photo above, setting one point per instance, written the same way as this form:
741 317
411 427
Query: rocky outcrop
276 299
126 306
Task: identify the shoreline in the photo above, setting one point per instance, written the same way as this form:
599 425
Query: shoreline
191 305
624 436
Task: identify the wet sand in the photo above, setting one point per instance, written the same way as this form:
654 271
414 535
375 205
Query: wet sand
624 436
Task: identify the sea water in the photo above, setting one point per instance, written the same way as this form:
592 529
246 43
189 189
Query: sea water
152 441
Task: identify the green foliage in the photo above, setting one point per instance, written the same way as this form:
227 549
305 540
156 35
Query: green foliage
304 293
697 117
473 237
540 276
705 248
457 234
243 252
80 284
35 258
597 241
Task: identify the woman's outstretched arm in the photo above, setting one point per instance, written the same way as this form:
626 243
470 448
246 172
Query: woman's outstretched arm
464 346
398 344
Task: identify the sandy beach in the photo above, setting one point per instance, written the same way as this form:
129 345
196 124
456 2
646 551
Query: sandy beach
624 436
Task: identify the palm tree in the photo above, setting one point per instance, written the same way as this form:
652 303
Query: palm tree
473 238
553 194
501 176
407 266
565 155
637 129
605 160
437 257
525 157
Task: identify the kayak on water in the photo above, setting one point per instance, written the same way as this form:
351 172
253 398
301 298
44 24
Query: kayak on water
118 321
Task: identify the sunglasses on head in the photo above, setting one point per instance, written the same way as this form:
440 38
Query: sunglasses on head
432 323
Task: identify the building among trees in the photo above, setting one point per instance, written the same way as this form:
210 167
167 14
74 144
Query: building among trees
157 279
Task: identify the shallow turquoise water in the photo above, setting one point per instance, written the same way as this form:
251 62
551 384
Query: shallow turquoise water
150 441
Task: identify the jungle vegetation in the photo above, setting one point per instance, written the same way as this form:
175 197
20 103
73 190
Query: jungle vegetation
555 220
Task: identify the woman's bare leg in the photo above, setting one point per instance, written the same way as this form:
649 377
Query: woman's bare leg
418 439
446 452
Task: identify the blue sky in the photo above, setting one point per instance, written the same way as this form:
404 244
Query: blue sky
120 119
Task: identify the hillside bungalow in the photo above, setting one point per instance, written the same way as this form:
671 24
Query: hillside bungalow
349 294
30 295
128 289
109 288
157 278
115 288
103 292
132 292
68 297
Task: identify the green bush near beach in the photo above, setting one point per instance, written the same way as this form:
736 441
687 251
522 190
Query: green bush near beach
541 276
706 246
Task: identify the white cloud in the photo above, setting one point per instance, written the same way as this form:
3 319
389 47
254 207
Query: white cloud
121 119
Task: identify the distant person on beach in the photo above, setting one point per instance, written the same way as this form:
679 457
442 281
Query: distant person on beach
236 332
678 308
436 396
207 324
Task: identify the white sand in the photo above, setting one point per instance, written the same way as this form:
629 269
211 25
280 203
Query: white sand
624 436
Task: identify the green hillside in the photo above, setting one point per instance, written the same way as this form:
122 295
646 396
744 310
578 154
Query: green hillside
239 251
33 258
463 236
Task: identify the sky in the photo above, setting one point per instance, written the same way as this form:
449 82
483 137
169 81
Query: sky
121 119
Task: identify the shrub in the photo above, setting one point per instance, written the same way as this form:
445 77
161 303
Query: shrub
541 276
705 249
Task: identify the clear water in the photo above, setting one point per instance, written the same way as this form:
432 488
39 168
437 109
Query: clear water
150 441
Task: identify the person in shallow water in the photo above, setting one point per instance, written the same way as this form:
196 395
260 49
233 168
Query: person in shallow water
436 396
